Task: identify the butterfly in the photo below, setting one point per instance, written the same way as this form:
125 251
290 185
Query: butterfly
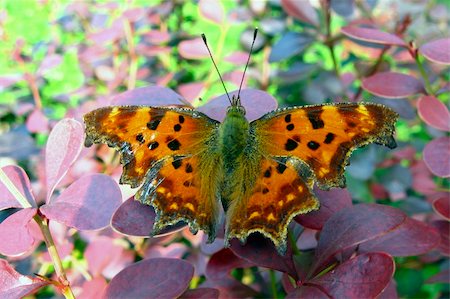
261 172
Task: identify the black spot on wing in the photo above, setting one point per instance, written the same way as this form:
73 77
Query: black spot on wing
315 119
140 138
290 127
281 168
287 118
177 128
153 145
290 145
268 172
313 145
181 119
189 168
329 138
177 164
153 124
174 145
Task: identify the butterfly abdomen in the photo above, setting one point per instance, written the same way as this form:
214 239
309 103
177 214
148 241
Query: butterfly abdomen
234 135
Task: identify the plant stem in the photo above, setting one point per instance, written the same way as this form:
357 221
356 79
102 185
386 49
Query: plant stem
59 270
330 41
293 243
273 284
424 75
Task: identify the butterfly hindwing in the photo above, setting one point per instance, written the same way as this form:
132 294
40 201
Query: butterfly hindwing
282 190
323 136
172 151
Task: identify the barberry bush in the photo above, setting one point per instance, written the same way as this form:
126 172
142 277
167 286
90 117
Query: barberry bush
69 229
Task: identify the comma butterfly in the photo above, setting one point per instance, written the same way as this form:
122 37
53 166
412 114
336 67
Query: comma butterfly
261 172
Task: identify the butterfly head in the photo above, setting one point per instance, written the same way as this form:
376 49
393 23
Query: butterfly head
236 106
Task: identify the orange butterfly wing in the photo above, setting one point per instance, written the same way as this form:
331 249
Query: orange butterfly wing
156 147
324 136
281 191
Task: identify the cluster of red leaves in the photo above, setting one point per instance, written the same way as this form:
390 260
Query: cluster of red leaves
342 250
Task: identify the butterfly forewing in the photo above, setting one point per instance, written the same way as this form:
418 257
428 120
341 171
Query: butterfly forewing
323 136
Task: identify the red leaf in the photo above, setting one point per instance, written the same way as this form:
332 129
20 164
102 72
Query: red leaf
212 10
434 113
63 147
437 51
442 207
373 36
222 262
201 293
37 122
256 102
49 62
301 10
149 96
20 180
392 85
136 219
15 285
436 155
352 226
237 58
86 204
306 291
390 292
98 261
412 237
14 233
441 277
152 278
444 229
330 202
193 49
91 289
261 251
364 276
191 91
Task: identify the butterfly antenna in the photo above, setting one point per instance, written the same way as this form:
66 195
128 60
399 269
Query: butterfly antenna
255 33
217 69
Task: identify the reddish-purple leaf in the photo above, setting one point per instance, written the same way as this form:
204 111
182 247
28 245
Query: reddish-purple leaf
364 276
92 289
86 204
392 85
222 262
14 233
352 226
212 10
37 122
307 291
191 91
174 250
373 36
149 96
441 277
49 62
443 227
390 292
152 278
237 58
193 49
290 44
437 51
136 219
436 155
95 255
201 293
8 80
442 206
20 180
256 102
14 285
157 37
301 10
330 202
262 252
343 7
63 147
434 113
412 237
